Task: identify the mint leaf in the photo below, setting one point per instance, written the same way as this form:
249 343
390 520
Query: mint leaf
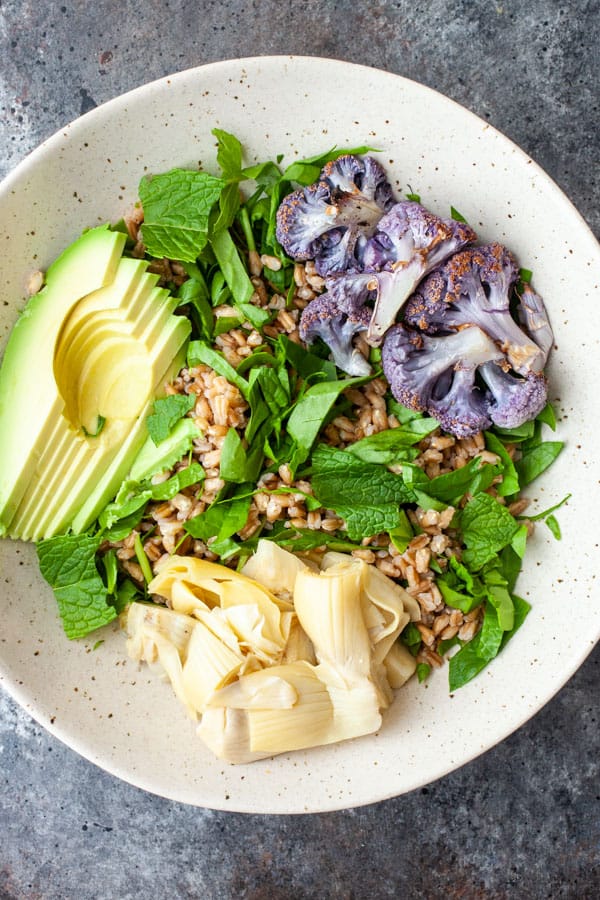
68 563
365 495
487 527
177 206
166 413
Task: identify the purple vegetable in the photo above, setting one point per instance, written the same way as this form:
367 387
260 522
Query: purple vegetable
326 220
474 288
323 318
513 400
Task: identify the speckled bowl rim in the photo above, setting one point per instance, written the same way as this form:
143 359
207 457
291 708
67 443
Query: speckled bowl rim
281 66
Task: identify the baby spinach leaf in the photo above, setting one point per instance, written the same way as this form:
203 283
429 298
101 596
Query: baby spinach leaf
232 267
301 540
222 519
473 478
548 416
233 458
68 563
229 155
551 509
192 474
536 460
423 671
510 478
194 293
402 534
311 410
388 446
486 527
457 216
411 638
166 413
200 353
306 364
177 207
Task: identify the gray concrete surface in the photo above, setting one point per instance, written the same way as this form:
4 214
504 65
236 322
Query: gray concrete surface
524 820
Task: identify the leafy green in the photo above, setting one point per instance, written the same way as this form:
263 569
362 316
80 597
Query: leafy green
142 559
389 446
166 413
177 207
234 463
306 364
229 155
165 490
222 519
486 527
554 527
474 656
423 671
536 460
68 563
301 540
365 495
311 410
411 638
414 198
194 293
457 216
200 352
402 534
510 478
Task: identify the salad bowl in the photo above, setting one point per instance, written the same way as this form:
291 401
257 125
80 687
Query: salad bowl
118 715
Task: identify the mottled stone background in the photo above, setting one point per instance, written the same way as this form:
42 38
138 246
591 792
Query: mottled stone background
524 820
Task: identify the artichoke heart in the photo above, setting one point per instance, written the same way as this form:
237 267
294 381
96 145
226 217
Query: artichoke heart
281 657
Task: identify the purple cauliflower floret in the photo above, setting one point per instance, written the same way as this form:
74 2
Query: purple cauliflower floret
436 374
474 288
323 318
325 220
410 241
513 400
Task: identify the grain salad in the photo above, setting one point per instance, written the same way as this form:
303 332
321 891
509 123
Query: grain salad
280 385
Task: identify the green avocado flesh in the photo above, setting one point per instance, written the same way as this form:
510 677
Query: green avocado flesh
85 362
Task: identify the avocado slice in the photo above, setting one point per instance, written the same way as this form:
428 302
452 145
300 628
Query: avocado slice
92 478
68 444
29 403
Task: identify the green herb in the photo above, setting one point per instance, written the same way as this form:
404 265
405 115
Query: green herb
127 592
194 293
128 505
301 540
229 155
366 496
234 463
100 423
525 275
450 488
232 267
68 563
109 563
166 413
177 207
306 364
414 198
547 416
486 527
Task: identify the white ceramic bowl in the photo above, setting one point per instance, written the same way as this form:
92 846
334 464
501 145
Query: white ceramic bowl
121 717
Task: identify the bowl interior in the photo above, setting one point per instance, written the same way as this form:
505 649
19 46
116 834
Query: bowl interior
121 717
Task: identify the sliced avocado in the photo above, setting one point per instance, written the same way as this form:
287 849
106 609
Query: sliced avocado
93 481
28 399
67 443
152 459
